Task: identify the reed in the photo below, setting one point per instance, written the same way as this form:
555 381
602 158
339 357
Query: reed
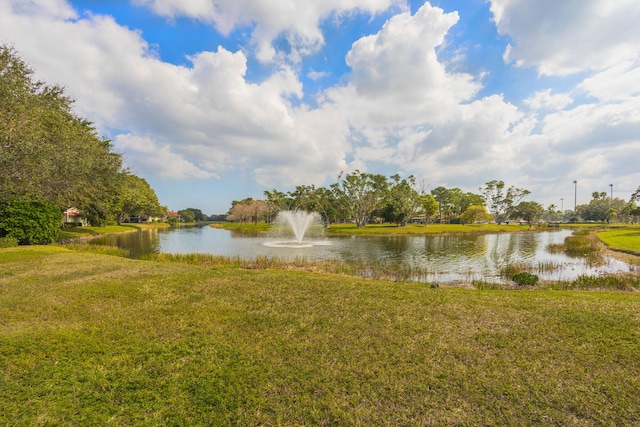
98 249
511 268
547 266
618 282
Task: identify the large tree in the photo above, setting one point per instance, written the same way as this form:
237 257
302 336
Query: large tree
360 194
249 210
135 198
601 207
46 151
499 201
428 206
474 213
527 211
402 201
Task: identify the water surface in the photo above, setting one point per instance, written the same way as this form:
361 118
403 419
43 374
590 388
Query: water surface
445 258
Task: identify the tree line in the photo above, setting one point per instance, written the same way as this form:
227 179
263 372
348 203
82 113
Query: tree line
51 160
365 198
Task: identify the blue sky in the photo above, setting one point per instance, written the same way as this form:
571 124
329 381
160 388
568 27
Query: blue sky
217 100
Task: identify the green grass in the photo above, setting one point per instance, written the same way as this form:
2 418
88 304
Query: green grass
92 339
385 229
74 233
392 229
626 239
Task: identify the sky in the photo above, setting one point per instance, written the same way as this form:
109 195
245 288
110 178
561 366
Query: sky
212 101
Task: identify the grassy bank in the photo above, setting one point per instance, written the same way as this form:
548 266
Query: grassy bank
392 229
91 339
624 239
75 233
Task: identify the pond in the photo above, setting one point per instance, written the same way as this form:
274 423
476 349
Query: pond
442 258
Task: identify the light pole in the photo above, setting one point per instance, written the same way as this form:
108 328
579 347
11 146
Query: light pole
611 185
575 196
562 205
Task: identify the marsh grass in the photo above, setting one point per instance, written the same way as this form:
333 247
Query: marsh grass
583 243
618 282
377 271
89 339
98 249
511 268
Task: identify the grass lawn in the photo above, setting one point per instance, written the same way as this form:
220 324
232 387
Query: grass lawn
81 232
91 339
392 229
626 239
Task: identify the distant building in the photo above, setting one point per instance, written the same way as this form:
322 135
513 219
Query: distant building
74 216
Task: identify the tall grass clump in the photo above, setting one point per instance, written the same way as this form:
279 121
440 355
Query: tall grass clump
617 282
196 259
98 249
511 268
581 244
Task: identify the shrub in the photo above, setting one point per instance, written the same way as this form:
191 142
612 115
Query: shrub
8 242
525 279
30 222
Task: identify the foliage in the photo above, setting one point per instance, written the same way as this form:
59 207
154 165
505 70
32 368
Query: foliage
249 210
187 215
135 198
527 211
306 198
453 202
193 214
402 200
30 222
47 152
8 242
635 197
601 208
499 202
524 278
360 194
475 213
95 214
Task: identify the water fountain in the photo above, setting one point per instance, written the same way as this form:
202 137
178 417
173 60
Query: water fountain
299 223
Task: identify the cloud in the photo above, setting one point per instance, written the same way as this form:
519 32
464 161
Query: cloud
404 108
398 108
620 82
317 75
146 156
200 120
396 77
298 22
569 36
545 100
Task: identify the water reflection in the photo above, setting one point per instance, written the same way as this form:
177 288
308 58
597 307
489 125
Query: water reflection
445 258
